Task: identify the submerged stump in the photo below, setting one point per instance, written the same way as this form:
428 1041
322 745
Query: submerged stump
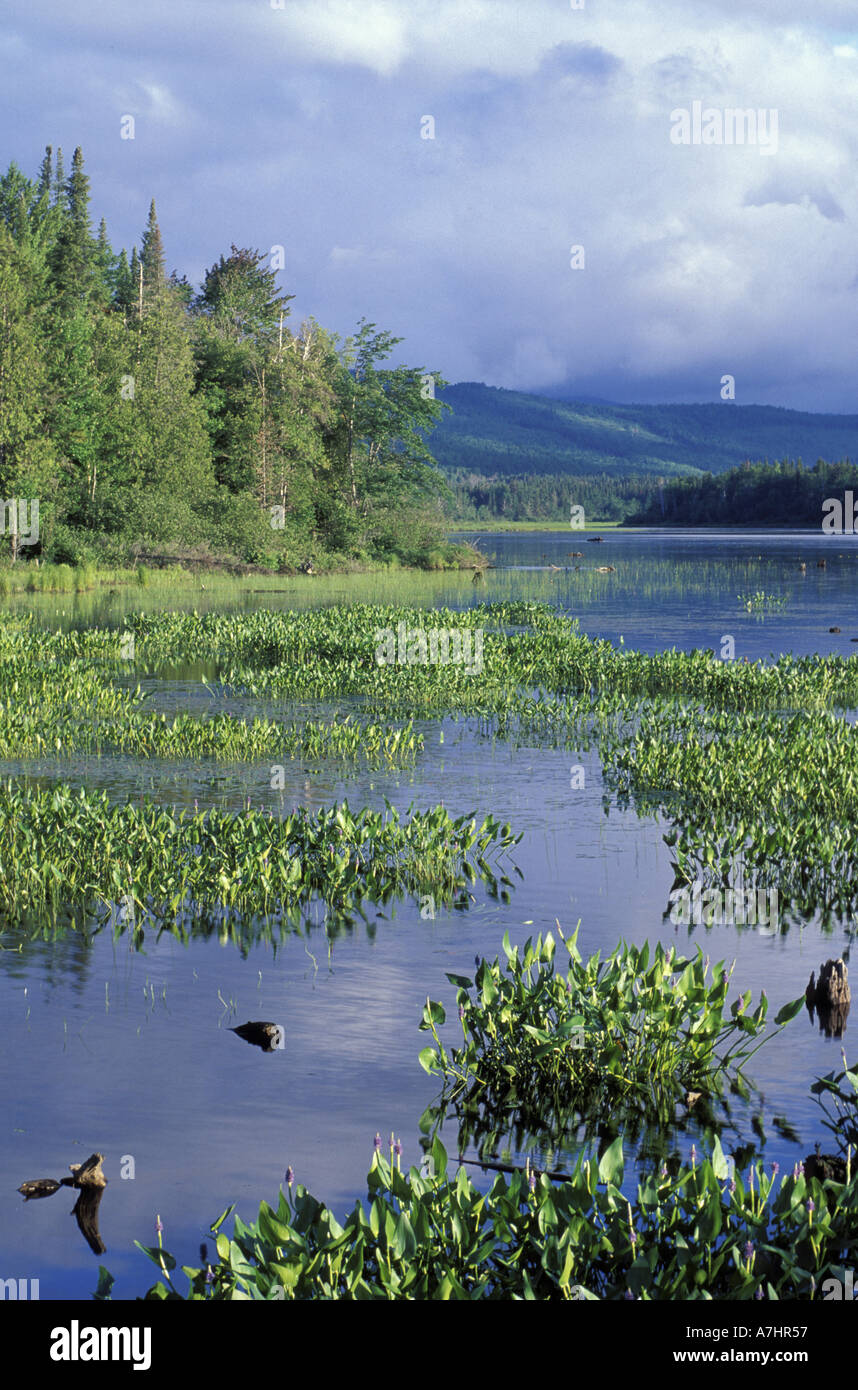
831 996
268 1036
89 1179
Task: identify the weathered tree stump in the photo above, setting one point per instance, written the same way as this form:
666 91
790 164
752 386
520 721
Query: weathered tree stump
91 1182
830 995
87 1174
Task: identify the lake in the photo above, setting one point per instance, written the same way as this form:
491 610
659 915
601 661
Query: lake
131 1053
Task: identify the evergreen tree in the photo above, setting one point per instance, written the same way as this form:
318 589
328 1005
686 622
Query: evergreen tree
152 258
135 275
59 198
46 172
124 296
73 261
27 460
171 455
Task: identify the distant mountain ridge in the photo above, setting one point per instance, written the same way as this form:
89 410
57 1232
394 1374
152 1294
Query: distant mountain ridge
493 431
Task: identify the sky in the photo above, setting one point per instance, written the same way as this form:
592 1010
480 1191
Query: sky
303 124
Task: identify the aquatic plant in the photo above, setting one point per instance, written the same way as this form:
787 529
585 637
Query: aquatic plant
761 600
63 850
748 794
837 1095
632 1031
701 1233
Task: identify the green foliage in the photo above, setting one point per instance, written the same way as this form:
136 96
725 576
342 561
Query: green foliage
762 494
61 850
144 416
754 792
760 600
837 1094
693 1235
627 1034
546 496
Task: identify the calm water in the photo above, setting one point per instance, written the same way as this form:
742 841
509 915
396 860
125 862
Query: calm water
131 1054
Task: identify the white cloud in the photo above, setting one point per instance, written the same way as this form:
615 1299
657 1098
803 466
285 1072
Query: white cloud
301 127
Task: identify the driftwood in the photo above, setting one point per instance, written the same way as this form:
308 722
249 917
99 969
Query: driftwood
89 1179
268 1036
830 995
39 1187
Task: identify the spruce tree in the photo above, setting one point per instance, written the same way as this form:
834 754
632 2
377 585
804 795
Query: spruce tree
124 298
59 185
74 256
152 258
46 172
77 194
134 276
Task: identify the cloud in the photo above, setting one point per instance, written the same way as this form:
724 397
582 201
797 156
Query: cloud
788 193
301 127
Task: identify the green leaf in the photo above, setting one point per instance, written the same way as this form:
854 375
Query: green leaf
789 1011
611 1163
105 1284
428 1059
162 1258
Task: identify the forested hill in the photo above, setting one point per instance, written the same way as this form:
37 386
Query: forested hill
495 432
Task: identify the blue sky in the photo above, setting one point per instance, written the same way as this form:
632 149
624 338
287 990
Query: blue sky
300 126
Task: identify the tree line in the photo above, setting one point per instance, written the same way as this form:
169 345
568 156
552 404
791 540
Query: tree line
146 414
546 496
784 493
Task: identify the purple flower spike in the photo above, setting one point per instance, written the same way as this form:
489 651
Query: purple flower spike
732 1186
811 1206
461 1012
158 1227
776 1168
629 1295
209 1275
749 1250
397 1148
290 1175
376 1143
532 1181
759 1292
